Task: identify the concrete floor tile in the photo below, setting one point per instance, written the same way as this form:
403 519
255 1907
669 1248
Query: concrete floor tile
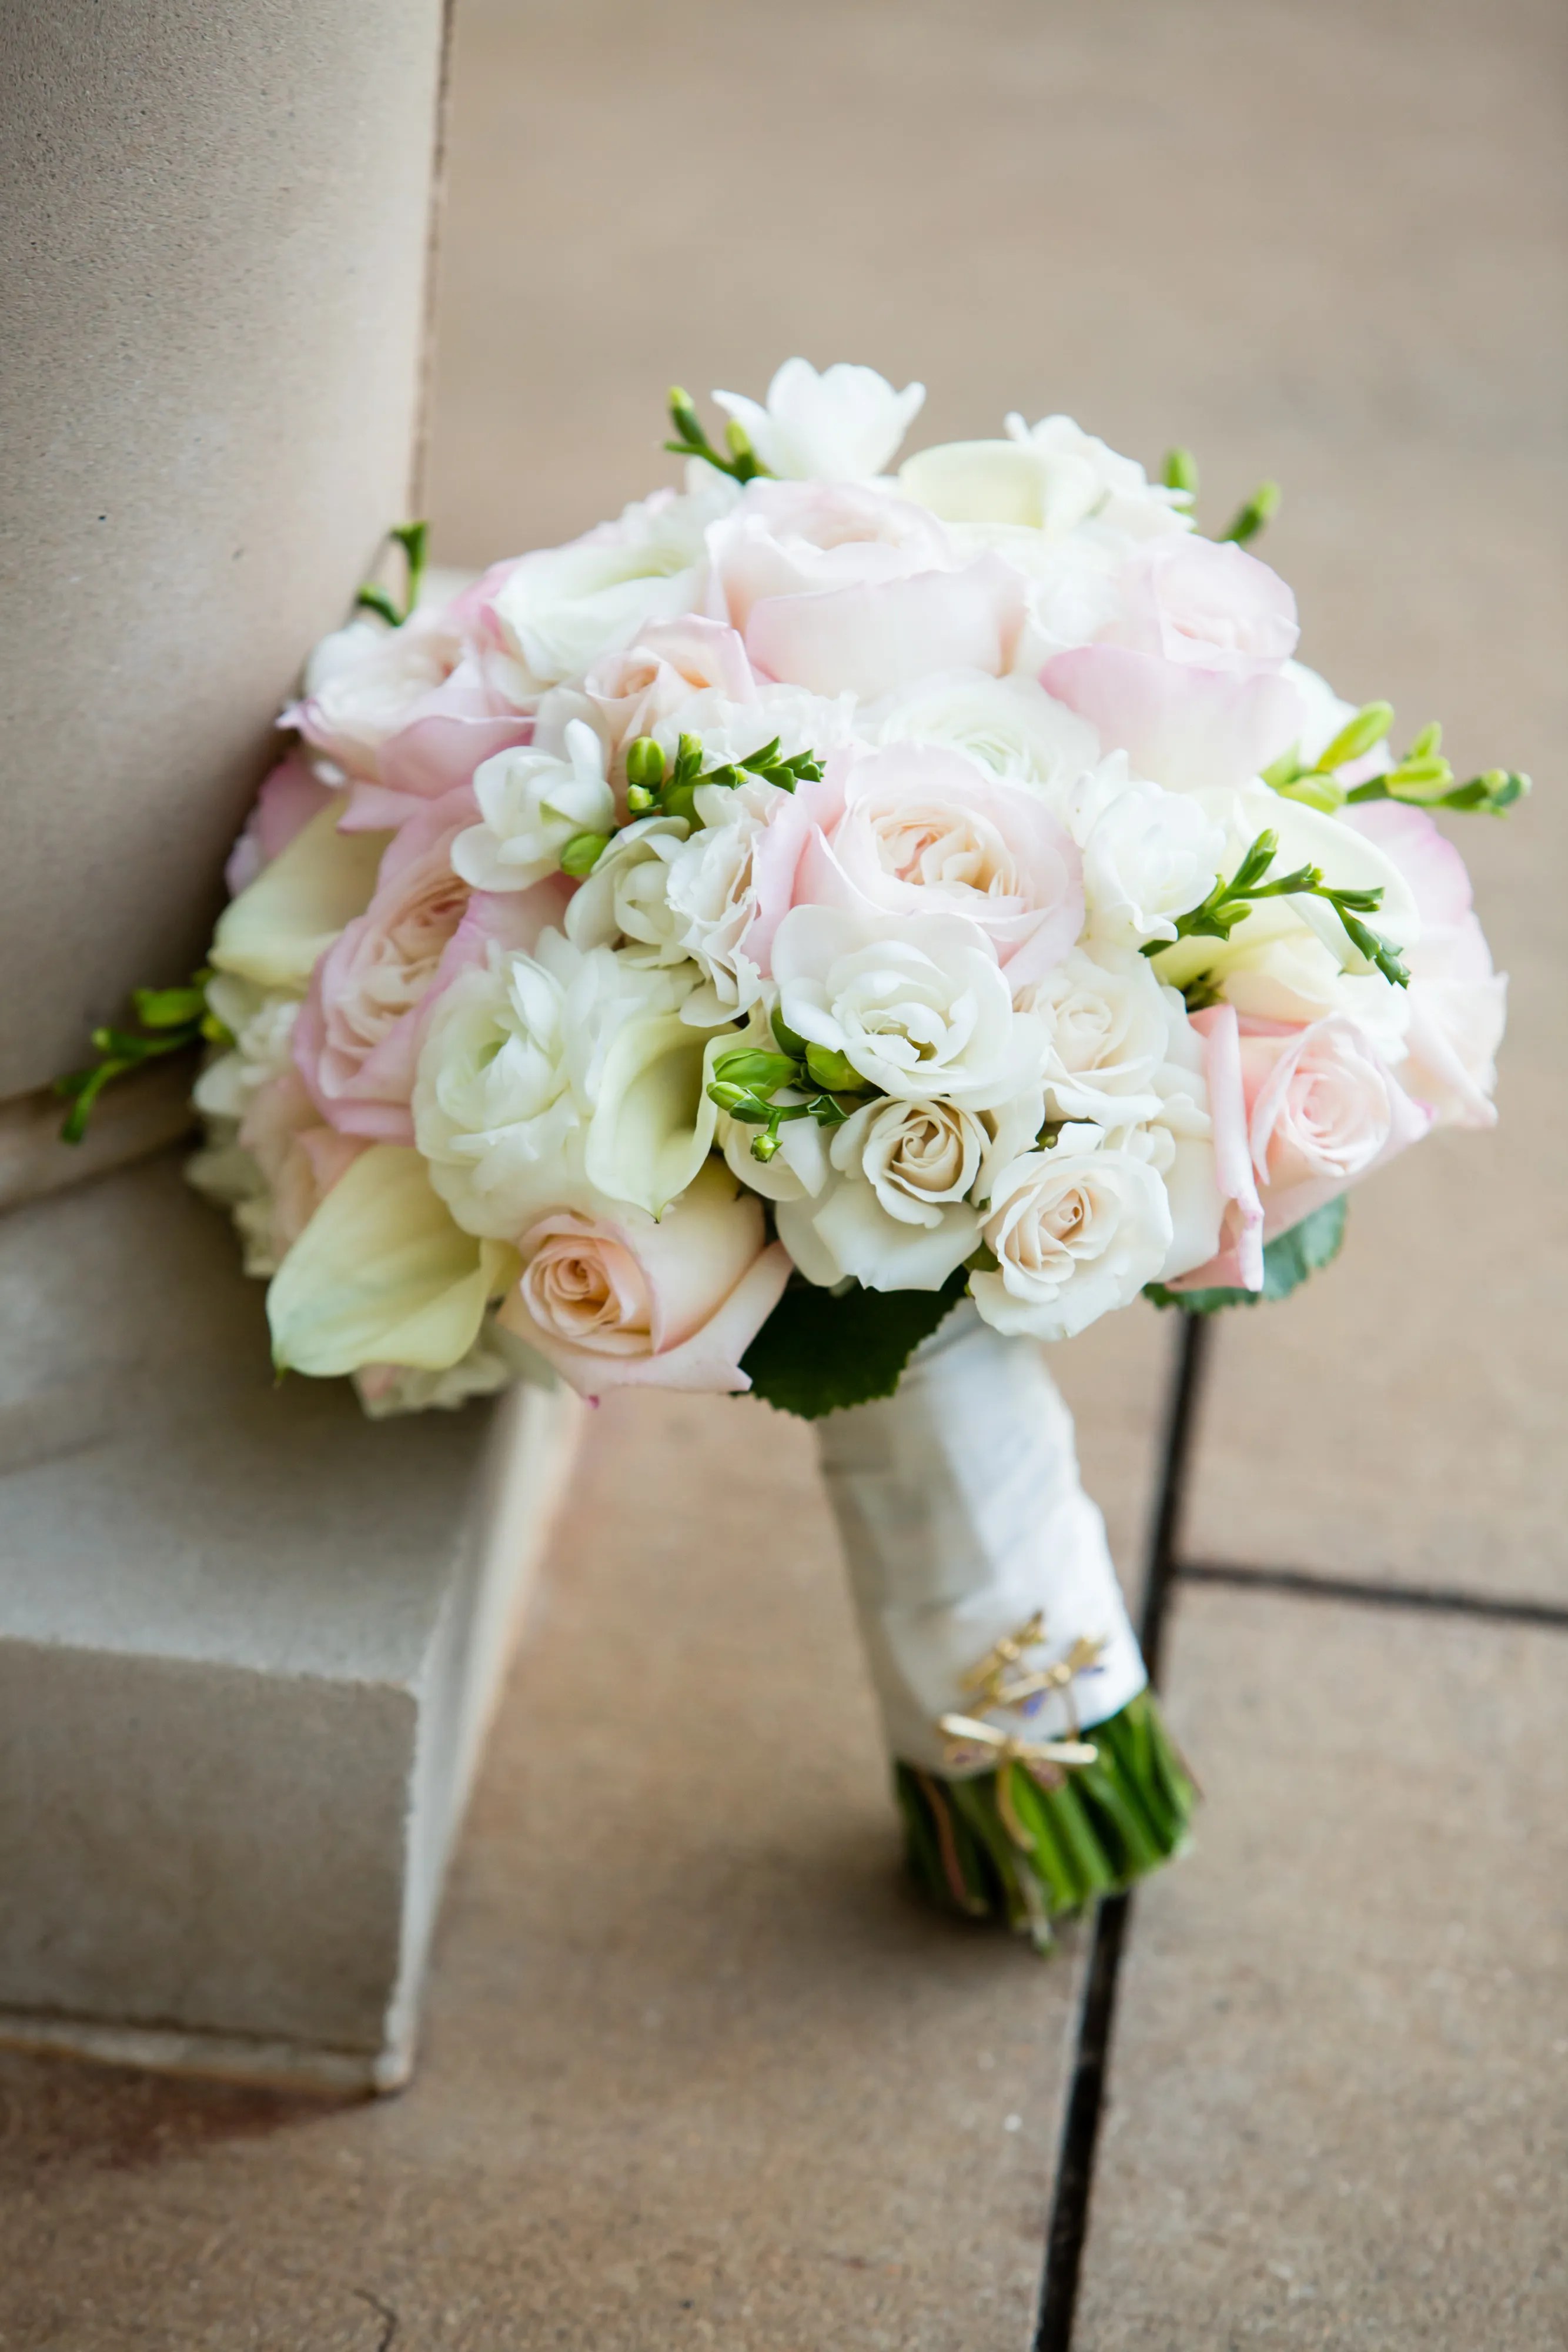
697 2069
1338 2110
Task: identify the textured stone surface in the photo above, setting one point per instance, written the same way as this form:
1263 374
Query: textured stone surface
215 223
248 1640
1339 2092
698 2070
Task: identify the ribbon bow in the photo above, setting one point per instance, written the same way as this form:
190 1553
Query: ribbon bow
970 1743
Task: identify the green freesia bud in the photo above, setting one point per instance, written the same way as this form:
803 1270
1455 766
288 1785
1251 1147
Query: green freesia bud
582 853
1180 471
1370 725
728 1097
793 1046
1428 743
645 764
1259 509
834 1071
764 1148
639 800
738 440
753 1066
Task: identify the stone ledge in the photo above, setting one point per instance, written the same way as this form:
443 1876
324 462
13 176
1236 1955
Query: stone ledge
248 1646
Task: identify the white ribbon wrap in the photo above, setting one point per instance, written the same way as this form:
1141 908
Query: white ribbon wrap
960 1511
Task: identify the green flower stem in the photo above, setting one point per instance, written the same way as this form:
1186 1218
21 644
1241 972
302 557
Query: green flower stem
1108 1824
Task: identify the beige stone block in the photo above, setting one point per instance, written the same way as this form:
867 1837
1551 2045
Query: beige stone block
1339 2092
215 221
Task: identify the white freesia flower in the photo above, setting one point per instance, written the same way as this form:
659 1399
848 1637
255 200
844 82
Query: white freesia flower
1009 726
842 426
1076 1232
917 1004
563 607
1148 855
532 803
1105 1031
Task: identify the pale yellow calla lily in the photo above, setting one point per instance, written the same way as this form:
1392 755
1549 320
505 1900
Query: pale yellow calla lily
275 931
382 1276
653 1126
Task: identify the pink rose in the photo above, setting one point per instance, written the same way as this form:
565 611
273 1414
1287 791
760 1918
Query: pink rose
915 830
1456 1002
841 590
670 662
406 715
614 1298
301 1158
291 796
1186 678
356 1038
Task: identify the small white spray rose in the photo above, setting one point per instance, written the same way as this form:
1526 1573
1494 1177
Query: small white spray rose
1148 855
532 803
1076 1232
842 426
1105 1031
916 1003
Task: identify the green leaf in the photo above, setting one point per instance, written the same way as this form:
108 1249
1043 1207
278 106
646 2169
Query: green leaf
1288 1260
820 1350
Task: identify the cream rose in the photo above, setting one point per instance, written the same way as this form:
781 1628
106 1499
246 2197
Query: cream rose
564 608
1076 1232
1105 1030
1009 726
613 1299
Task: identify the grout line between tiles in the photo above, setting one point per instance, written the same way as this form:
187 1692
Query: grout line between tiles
1374 1592
1086 2095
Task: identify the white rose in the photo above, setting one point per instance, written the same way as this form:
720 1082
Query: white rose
1008 725
1148 855
624 902
532 803
1105 1031
894 1216
561 608
916 1003
843 425
1076 1232
729 731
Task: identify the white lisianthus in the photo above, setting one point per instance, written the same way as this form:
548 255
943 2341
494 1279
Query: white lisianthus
1148 855
514 1066
1076 1230
1105 1030
917 1004
560 609
1009 726
841 425
532 803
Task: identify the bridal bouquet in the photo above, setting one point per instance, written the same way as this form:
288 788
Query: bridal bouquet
825 929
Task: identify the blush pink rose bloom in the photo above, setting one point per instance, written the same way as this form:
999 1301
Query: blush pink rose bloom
614 1298
289 797
406 715
1186 678
916 830
1458 1003
300 1157
358 1034
839 589
1320 1111
671 661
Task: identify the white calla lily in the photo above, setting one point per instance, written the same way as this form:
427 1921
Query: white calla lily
275 931
653 1124
383 1275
